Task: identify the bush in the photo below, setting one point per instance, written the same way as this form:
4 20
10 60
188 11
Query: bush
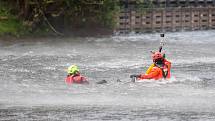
9 24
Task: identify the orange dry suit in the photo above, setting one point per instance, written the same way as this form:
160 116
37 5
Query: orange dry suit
76 78
158 71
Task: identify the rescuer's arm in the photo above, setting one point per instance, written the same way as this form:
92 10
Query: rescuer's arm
151 75
150 68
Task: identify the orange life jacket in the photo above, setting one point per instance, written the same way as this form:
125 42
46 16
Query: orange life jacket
157 72
75 79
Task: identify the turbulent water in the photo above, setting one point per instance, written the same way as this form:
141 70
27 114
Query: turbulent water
32 76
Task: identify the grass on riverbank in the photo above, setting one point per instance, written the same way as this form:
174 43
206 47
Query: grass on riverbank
9 24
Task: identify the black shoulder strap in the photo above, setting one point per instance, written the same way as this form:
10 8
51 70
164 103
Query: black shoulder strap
163 72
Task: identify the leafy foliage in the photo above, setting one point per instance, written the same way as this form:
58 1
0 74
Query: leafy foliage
9 24
60 15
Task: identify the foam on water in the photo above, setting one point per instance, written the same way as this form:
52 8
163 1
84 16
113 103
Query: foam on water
194 37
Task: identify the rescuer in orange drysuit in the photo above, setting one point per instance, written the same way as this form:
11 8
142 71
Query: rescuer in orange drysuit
74 76
159 69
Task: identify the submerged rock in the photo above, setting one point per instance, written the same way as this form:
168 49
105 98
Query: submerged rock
101 82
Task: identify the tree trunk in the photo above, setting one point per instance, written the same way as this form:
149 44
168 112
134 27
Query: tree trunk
24 7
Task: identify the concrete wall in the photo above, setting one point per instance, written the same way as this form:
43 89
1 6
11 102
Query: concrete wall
169 19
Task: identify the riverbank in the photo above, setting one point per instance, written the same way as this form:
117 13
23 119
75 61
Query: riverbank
57 18
96 32
11 27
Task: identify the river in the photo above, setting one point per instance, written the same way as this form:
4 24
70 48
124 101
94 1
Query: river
32 74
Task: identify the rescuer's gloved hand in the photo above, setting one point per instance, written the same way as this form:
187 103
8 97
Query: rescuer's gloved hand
134 75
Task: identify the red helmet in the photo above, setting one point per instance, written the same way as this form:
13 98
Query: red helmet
157 55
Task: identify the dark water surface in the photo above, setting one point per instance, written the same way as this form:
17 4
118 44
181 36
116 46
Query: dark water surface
32 76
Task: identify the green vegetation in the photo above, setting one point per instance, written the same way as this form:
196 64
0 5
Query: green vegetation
9 24
109 12
144 5
41 17
59 17
85 13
